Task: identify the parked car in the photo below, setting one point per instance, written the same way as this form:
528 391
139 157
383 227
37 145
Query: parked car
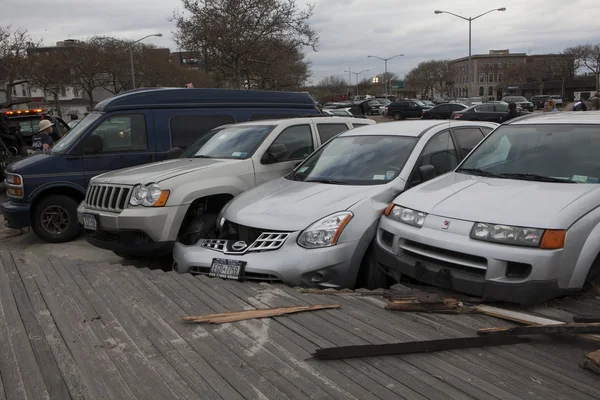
482 112
28 121
406 109
315 226
133 128
428 103
517 221
520 101
476 100
384 103
442 111
372 107
340 112
539 100
141 211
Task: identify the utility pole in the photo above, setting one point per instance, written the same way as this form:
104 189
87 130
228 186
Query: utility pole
349 71
385 80
131 56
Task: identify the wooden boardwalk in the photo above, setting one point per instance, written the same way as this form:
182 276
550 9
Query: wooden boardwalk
70 330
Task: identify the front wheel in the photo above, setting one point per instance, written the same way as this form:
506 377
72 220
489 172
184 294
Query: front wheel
397 116
371 277
200 226
55 219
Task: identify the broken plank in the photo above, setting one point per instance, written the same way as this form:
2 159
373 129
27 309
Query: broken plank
234 316
592 361
424 346
344 292
523 318
541 329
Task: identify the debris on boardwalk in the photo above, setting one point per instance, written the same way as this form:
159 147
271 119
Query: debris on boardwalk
592 361
541 329
425 302
222 318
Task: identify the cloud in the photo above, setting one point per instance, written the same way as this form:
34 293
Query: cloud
349 29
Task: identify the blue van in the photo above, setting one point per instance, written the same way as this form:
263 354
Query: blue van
133 128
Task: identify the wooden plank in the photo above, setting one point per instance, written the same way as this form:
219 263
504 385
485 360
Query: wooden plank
592 361
92 342
148 366
67 366
524 318
31 374
234 316
258 365
180 374
540 329
10 374
586 318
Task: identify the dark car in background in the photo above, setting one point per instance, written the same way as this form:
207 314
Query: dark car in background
492 112
442 111
372 107
406 109
539 100
519 101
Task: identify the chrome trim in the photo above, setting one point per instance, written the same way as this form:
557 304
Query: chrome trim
267 241
108 197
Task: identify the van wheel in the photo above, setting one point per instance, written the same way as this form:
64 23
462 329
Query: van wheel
370 276
55 219
200 226
398 116
594 272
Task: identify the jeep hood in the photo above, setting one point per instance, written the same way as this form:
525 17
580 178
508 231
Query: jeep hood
289 205
503 201
160 171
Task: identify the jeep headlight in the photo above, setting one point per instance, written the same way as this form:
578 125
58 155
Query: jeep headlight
406 215
325 232
507 234
149 196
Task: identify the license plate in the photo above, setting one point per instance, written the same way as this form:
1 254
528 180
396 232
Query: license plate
227 269
90 222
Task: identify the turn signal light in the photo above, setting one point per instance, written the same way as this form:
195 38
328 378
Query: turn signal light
388 210
15 192
16 180
162 200
553 239
457 116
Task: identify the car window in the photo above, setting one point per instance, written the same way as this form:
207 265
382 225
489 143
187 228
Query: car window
63 128
486 130
485 108
298 142
355 125
327 131
123 133
233 142
439 152
500 108
443 108
467 138
457 107
186 129
357 160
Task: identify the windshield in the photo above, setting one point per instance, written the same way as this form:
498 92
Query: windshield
420 103
66 141
551 153
28 126
356 160
237 142
340 112
516 99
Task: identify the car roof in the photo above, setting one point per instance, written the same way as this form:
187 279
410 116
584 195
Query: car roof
188 98
323 118
414 128
564 117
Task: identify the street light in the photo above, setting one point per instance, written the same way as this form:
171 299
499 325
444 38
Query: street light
385 60
131 55
355 73
470 19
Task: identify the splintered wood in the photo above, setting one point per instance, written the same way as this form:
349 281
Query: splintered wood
592 361
222 318
425 302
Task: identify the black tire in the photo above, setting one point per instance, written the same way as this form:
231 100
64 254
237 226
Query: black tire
594 272
371 276
55 219
398 116
201 226
26 151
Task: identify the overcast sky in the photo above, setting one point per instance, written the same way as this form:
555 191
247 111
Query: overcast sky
349 29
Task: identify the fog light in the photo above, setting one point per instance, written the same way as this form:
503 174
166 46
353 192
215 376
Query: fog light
15 192
317 277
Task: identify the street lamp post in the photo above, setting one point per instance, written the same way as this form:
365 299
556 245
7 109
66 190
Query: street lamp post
470 19
385 60
355 73
131 55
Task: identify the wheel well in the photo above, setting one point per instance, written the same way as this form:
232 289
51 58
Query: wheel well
209 205
61 190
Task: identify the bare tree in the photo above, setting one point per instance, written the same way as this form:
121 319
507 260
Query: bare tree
13 51
231 33
429 75
331 86
590 58
49 73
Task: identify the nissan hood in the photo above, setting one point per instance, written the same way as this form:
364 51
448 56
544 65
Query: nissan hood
289 205
160 171
503 201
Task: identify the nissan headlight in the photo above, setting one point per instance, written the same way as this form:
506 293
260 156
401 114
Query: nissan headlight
148 196
406 215
507 234
325 232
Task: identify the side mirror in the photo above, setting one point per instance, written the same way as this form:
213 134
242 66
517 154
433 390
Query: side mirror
93 144
274 154
427 172
174 153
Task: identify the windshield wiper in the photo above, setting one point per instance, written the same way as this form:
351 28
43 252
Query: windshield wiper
535 177
202 156
329 181
477 171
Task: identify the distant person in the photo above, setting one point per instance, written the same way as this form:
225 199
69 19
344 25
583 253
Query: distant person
596 102
512 113
42 142
580 105
550 106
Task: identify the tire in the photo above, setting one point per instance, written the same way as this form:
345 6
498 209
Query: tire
126 256
371 276
397 116
594 272
55 219
199 227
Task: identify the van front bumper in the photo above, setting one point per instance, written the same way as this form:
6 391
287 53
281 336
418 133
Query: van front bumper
16 215
454 261
291 264
139 231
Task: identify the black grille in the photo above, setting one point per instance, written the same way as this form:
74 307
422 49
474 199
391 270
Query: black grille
233 231
456 254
